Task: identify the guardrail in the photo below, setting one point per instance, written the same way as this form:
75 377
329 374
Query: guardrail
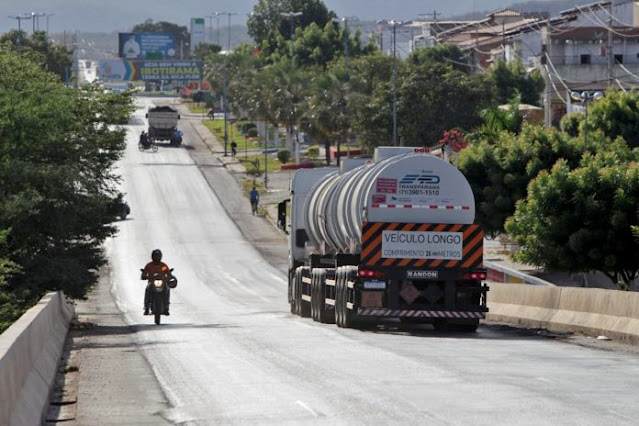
29 354
504 274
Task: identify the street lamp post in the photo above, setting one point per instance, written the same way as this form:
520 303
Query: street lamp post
211 27
224 88
346 20
291 16
229 14
585 98
19 19
394 24
48 16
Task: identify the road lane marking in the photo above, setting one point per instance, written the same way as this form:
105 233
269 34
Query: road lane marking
307 408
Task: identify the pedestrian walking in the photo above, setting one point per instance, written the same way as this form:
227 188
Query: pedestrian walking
254 196
233 149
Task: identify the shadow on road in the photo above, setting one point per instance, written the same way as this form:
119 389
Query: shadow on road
91 329
484 332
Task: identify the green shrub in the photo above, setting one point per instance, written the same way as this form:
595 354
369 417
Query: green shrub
313 152
252 133
283 155
245 127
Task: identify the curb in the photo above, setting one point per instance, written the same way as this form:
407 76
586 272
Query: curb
29 354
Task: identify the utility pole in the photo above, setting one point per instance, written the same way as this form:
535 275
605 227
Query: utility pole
434 15
611 56
545 43
394 24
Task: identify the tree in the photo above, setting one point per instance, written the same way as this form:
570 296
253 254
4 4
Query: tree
512 78
581 219
499 171
270 29
434 97
182 34
58 190
443 54
371 77
617 115
499 119
205 50
51 57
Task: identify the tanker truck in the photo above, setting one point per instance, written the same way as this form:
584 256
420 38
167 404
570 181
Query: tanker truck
389 238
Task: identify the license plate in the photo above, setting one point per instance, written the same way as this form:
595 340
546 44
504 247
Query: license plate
375 285
372 299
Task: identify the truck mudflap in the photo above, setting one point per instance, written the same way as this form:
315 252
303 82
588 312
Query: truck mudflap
406 313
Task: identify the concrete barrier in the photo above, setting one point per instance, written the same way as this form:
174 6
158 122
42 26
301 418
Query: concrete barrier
612 313
29 354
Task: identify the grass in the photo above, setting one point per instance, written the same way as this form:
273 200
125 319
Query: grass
217 127
197 108
252 162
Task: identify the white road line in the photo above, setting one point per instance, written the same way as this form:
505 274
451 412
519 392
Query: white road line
623 416
307 408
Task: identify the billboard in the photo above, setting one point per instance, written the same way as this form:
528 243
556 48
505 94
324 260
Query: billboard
197 32
147 46
122 70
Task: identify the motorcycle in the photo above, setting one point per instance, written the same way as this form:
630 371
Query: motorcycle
160 284
176 139
150 144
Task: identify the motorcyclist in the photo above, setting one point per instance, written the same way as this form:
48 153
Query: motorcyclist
156 266
144 139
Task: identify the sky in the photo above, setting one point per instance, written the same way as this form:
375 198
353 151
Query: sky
121 15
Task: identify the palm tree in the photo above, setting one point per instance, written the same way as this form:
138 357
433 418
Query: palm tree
329 113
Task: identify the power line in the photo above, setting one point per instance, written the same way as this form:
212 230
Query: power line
554 86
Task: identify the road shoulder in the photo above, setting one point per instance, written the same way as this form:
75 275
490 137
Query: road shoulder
107 380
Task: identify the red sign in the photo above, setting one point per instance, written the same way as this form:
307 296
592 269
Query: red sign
379 199
387 186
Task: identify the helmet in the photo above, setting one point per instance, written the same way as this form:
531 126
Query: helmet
156 255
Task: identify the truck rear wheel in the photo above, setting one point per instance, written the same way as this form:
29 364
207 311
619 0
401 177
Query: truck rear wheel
296 298
303 307
314 301
344 316
318 296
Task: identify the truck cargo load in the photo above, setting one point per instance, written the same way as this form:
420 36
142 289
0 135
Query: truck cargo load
163 122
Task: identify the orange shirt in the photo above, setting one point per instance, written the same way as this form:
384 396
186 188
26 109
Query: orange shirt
154 268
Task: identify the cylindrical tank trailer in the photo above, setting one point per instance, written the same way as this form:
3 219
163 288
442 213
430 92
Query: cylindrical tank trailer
410 188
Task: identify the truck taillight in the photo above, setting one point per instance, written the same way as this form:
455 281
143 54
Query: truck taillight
367 273
474 276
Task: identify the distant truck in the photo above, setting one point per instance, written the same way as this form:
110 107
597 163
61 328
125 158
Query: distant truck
163 122
393 237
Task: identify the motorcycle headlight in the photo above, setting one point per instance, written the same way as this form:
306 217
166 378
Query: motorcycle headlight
158 283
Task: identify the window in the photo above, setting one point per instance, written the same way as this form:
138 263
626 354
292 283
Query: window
618 59
585 59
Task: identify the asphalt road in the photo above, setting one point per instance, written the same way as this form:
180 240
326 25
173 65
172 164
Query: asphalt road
231 353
